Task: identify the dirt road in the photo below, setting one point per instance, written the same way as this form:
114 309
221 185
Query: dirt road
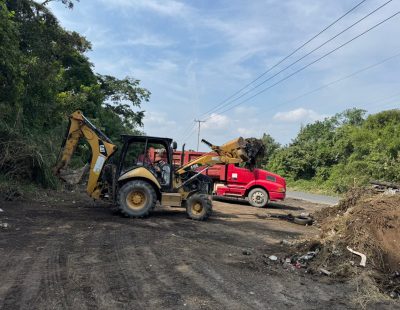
71 254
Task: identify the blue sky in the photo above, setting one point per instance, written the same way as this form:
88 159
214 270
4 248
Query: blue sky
192 55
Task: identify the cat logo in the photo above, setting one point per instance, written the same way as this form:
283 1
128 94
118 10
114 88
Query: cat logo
102 148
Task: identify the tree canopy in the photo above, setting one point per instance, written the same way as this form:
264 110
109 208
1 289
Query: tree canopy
44 76
346 149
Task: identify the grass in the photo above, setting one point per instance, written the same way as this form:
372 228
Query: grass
311 186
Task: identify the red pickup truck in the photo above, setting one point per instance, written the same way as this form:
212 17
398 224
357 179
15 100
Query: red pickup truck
257 185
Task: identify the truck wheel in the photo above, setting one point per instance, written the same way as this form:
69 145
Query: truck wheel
258 197
198 207
136 198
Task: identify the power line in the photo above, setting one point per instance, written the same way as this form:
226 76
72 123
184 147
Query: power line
191 133
291 54
389 105
380 100
185 131
341 79
311 63
304 56
192 130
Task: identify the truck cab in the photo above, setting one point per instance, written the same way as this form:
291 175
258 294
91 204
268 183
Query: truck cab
258 186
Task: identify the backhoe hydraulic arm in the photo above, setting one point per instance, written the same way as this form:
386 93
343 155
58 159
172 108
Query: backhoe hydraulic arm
101 146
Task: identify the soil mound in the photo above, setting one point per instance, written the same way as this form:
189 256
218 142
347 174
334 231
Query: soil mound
367 222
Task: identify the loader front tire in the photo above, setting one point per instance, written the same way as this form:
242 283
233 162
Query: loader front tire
199 207
136 198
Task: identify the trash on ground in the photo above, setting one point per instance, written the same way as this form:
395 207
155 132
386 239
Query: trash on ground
365 223
303 220
273 257
286 242
1 210
382 186
325 272
363 257
298 219
394 295
310 255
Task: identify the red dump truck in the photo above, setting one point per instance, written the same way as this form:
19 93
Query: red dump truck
257 185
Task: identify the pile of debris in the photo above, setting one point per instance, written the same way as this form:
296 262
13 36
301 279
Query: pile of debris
359 237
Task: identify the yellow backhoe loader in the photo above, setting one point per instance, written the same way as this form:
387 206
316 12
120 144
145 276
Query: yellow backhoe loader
144 174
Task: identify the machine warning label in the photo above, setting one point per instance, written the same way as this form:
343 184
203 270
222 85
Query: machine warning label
99 164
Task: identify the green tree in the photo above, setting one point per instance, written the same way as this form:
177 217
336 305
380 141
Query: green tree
11 60
68 3
270 146
343 150
45 75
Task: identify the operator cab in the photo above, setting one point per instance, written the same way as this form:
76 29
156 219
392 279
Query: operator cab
152 153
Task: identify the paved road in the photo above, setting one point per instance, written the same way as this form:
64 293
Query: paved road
329 200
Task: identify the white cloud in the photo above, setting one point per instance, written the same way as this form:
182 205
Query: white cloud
297 115
157 123
170 7
245 110
247 132
216 121
149 40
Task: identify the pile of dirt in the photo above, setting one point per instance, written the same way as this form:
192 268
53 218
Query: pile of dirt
368 222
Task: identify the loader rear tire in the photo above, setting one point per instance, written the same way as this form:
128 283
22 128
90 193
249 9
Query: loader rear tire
199 207
136 198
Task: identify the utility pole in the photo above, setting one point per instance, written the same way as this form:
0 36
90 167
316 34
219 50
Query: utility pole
198 133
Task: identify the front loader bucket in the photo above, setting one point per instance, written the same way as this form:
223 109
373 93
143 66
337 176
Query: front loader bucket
255 150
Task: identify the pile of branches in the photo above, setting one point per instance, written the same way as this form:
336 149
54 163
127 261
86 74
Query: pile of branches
25 157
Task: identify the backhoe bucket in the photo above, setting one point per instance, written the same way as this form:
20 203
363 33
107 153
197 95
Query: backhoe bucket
73 176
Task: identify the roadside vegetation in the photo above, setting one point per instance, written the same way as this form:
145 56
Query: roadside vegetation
346 150
45 75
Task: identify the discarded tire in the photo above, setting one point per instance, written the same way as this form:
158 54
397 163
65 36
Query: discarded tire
303 220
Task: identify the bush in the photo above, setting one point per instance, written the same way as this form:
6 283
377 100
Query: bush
44 76
343 151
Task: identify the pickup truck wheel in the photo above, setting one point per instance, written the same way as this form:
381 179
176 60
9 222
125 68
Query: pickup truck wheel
258 197
136 198
199 207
